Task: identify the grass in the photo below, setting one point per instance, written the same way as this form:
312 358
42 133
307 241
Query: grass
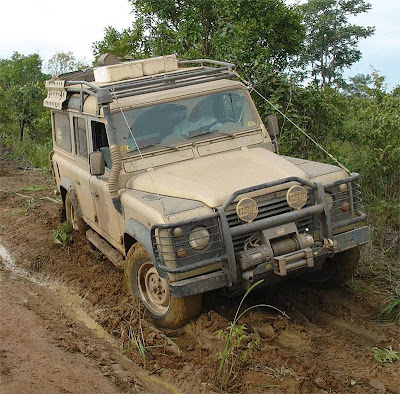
36 153
61 235
235 337
390 310
37 188
136 338
387 355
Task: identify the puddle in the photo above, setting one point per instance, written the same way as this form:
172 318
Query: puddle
72 301
9 265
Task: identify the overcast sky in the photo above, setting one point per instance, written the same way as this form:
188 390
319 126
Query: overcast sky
49 26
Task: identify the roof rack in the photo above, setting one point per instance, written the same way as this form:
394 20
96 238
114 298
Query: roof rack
59 88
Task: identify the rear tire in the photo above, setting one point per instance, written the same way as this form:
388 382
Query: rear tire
141 278
336 270
78 224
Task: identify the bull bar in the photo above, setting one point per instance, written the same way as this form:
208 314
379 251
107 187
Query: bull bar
229 274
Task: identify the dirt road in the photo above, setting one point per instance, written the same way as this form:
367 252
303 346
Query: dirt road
67 324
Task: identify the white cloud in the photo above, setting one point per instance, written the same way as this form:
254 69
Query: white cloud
49 26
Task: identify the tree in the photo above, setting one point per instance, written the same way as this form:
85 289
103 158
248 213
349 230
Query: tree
331 42
261 32
22 89
63 62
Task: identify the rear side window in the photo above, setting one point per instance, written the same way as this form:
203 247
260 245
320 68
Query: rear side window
62 131
80 137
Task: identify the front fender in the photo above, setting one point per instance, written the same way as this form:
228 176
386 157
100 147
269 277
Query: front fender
140 233
69 186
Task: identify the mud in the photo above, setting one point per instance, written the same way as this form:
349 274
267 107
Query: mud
73 302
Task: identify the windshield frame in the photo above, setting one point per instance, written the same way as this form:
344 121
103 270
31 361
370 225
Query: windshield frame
205 136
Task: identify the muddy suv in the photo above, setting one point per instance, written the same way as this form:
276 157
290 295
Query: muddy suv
168 169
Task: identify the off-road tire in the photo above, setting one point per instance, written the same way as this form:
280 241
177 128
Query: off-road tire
78 224
178 311
336 270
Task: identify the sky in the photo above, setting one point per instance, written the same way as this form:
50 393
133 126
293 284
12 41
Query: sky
49 26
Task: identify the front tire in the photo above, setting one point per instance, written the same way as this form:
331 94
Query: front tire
336 270
78 224
143 280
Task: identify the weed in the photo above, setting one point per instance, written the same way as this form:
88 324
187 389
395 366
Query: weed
270 386
38 188
137 338
234 337
60 236
387 355
39 264
18 212
390 310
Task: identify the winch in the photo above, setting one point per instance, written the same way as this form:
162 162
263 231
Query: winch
283 247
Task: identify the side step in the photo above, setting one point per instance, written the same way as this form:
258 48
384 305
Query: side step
111 253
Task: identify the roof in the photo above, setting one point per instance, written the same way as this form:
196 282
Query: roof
93 93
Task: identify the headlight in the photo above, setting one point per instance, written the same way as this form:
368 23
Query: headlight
199 238
329 199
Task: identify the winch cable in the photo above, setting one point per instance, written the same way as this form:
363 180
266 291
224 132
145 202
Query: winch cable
253 89
140 153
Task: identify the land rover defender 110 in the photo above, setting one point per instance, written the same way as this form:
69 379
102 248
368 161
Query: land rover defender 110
168 169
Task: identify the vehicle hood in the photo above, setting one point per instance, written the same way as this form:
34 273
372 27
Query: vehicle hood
212 179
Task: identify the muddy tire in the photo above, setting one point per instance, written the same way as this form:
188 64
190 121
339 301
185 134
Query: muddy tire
78 224
142 278
336 270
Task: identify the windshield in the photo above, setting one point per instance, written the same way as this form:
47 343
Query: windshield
175 122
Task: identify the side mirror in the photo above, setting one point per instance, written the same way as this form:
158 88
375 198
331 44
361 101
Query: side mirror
272 126
96 163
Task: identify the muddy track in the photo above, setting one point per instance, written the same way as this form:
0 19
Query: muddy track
325 346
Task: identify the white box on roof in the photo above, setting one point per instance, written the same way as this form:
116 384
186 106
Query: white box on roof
136 69
158 65
118 72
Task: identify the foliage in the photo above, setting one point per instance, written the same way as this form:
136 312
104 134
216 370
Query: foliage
375 123
34 151
331 43
235 336
387 355
60 235
390 310
247 32
21 90
63 62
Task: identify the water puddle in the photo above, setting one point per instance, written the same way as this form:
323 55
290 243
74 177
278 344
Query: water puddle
73 301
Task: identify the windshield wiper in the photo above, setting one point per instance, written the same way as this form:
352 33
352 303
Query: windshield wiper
217 132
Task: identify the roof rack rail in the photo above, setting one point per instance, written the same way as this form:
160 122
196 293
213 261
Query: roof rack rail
128 88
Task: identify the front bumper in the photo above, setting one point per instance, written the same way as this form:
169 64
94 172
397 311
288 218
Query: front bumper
226 271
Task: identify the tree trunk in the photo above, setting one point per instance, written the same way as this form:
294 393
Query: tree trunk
21 130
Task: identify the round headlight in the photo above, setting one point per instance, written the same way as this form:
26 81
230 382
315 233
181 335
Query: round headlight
199 238
329 200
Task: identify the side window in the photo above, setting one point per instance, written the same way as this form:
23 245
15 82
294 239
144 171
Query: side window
80 137
62 131
100 141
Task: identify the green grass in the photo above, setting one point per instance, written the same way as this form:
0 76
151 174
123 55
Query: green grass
60 236
387 355
38 188
390 310
36 153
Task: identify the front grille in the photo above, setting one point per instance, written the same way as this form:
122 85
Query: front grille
268 206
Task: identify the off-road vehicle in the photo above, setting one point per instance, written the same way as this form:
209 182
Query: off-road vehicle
171 173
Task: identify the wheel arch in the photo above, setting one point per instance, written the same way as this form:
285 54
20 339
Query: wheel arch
68 186
137 232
